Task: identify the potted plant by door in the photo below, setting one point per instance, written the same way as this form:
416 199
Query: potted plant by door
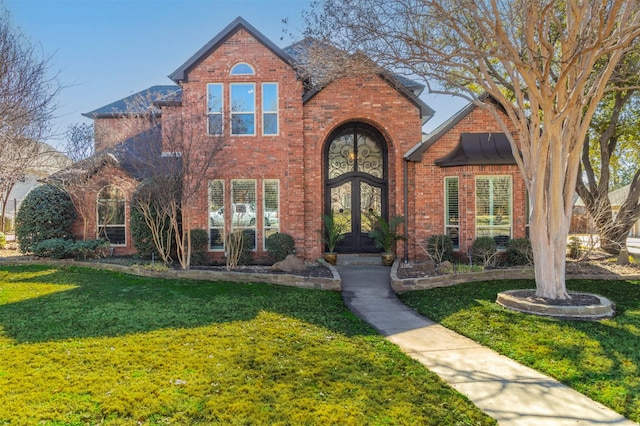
332 234
385 237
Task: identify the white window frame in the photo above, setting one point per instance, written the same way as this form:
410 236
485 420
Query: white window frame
270 112
106 226
219 113
253 71
233 113
266 224
448 226
214 217
246 226
510 208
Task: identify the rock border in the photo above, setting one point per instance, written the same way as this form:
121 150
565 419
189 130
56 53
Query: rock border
426 283
290 280
603 310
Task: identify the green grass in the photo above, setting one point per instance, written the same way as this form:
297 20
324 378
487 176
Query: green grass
79 346
599 359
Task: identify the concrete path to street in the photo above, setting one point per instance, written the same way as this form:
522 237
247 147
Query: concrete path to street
509 392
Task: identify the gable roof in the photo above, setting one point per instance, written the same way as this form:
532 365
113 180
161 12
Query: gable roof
616 197
239 23
299 50
139 156
138 103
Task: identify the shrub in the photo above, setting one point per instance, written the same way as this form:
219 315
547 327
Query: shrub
60 248
142 236
3 240
56 248
575 247
46 213
280 246
199 241
484 250
440 248
8 224
519 252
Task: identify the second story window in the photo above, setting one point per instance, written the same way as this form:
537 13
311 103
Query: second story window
270 108
214 108
242 69
243 107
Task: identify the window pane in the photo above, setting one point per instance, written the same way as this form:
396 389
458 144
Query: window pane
370 157
270 97
242 124
270 124
111 215
215 124
214 98
242 69
243 204
243 97
452 214
493 208
342 154
216 215
271 212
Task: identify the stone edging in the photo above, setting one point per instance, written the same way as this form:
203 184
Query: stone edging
333 284
425 283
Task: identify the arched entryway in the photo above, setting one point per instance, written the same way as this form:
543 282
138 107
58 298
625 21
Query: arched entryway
356 183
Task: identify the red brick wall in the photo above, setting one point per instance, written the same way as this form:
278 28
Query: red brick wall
111 131
250 157
427 209
368 99
85 197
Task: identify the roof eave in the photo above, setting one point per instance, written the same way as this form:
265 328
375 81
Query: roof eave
239 23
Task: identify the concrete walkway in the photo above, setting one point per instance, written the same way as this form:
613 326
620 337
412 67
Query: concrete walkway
507 391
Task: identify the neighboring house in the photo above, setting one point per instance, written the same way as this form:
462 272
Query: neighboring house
581 222
294 151
49 161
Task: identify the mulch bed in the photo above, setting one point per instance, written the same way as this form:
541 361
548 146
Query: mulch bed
575 299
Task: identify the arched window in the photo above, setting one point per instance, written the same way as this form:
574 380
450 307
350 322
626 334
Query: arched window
111 215
242 69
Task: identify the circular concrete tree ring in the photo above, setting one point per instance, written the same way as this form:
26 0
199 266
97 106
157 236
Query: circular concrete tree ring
580 306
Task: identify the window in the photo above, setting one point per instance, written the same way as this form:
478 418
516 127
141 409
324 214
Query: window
243 107
214 108
452 211
271 214
243 206
493 208
111 215
270 108
216 215
242 69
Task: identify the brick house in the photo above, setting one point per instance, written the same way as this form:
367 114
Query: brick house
293 152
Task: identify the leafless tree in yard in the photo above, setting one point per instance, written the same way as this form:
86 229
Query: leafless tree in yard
79 142
26 106
546 63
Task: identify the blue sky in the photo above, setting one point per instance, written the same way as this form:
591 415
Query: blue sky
104 50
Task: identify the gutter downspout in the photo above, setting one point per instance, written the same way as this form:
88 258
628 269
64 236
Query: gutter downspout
405 182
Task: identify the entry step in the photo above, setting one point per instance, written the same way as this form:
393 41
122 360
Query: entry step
359 259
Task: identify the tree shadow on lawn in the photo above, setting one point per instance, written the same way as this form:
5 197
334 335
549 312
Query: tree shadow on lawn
598 358
108 304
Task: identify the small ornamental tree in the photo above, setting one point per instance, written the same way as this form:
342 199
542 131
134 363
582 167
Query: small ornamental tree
46 212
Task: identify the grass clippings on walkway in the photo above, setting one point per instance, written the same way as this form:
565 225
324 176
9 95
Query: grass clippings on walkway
80 346
599 359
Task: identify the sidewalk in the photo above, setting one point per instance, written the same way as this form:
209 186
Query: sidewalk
507 391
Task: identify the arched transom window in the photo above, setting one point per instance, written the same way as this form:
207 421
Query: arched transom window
111 215
242 69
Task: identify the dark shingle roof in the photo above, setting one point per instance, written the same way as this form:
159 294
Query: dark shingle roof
138 103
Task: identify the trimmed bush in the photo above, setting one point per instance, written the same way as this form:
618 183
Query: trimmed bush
46 213
519 252
141 235
3 240
484 250
279 246
199 241
440 248
59 248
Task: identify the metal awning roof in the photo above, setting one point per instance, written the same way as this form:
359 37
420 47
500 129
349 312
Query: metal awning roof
479 149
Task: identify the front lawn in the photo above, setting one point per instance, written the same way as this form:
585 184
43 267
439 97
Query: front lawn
600 359
79 346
